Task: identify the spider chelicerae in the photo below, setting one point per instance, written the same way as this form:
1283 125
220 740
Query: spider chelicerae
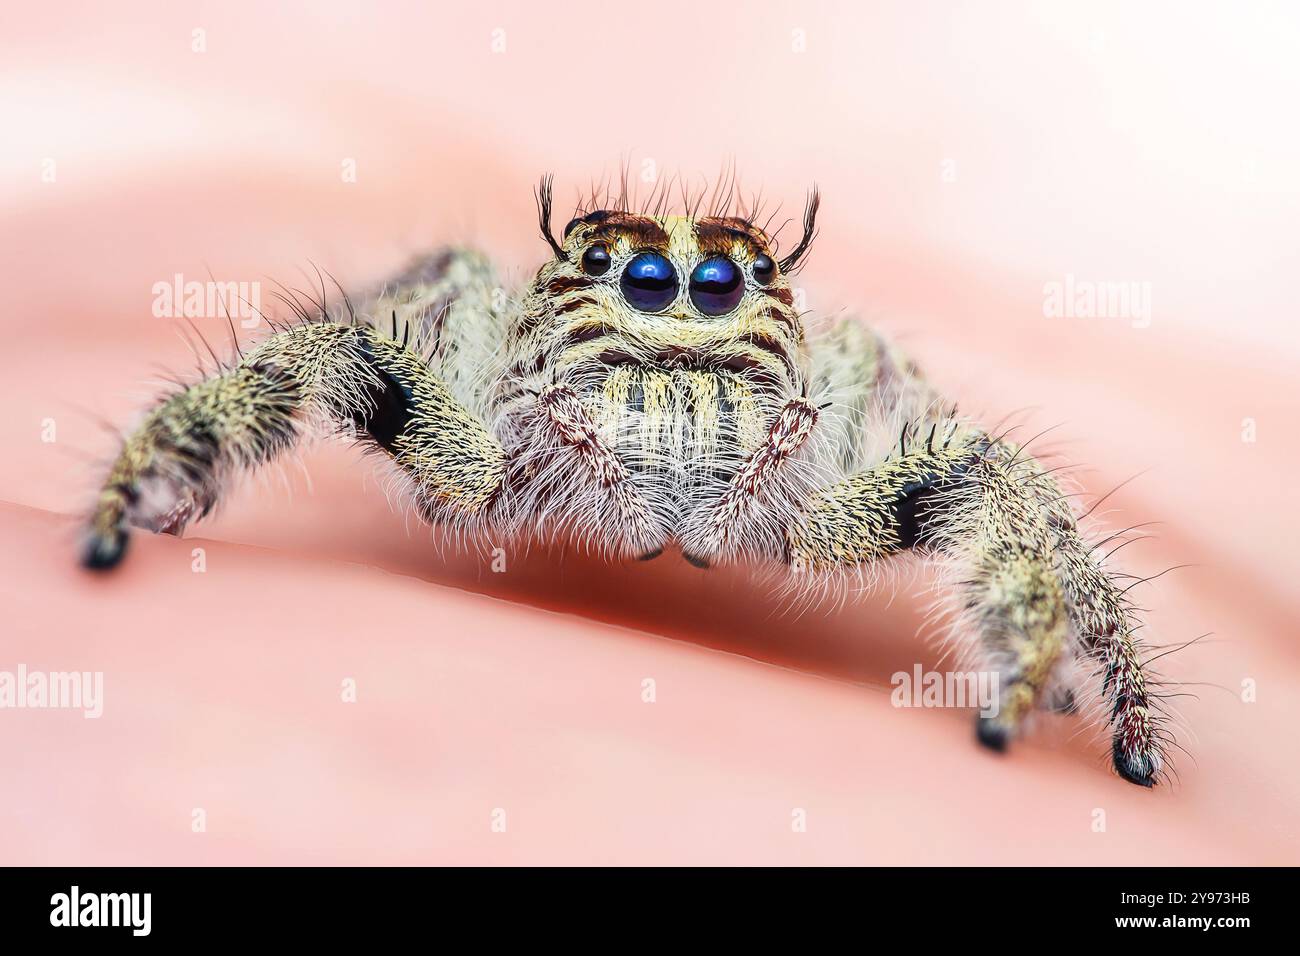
653 386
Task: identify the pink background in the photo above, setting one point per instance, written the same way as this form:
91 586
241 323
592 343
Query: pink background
1113 142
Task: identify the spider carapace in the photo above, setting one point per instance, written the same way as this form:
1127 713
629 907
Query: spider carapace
655 386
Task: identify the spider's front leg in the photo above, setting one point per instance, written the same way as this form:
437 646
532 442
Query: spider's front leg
172 468
1030 590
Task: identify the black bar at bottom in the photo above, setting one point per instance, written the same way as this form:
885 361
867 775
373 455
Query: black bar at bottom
964 904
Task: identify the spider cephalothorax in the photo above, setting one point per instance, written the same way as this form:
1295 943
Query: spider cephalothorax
670 293
654 387
673 301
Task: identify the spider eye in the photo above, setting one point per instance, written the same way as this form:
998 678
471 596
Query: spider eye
716 288
595 261
649 282
764 269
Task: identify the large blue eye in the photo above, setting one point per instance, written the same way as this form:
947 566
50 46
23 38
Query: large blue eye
716 286
649 282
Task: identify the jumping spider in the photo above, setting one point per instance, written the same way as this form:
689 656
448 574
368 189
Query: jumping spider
654 385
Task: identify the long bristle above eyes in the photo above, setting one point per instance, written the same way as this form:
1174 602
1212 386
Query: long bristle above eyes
792 262
722 198
543 195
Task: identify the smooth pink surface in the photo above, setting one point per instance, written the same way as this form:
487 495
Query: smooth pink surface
1113 144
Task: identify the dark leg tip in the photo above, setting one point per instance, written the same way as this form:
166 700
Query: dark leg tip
104 552
651 555
697 561
1137 772
991 734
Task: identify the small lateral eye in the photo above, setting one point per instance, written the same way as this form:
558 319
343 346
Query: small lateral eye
596 261
764 269
716 286
573 224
